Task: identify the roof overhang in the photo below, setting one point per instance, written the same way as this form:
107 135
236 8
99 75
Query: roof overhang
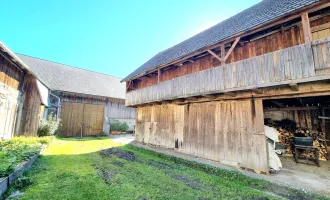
14 57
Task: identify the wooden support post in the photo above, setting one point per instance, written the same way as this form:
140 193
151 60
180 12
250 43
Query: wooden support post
301 102
232 94
306 27
210 96
231 49
215 55
223 54
294 87
128 85
258 90
178 101
192 98
159 75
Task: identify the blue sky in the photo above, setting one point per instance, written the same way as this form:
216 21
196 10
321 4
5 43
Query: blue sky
107 36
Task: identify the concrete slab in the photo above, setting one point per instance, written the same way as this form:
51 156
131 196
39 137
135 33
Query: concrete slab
122 139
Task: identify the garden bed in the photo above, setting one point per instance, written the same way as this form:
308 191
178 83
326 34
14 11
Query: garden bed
16 157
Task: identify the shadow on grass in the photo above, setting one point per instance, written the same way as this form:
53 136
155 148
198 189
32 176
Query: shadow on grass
128 172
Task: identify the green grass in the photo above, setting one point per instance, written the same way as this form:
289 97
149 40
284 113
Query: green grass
75 169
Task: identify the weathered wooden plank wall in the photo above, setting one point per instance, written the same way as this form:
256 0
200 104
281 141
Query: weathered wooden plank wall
77 115
276 68
118 110
30 117
161 125
11 79
279 40
304 118
231 132
321 53
113 108
10 74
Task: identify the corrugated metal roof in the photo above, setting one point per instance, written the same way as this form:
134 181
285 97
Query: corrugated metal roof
60 77
259 14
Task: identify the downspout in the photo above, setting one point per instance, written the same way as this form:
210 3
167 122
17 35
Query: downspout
58 105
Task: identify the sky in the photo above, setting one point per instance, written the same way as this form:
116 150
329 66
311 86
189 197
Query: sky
107 36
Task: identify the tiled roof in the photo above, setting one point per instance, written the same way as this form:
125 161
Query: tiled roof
261 13
60 77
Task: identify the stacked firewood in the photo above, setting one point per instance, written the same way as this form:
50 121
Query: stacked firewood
287 134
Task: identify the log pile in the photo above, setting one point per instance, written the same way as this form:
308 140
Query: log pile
287 134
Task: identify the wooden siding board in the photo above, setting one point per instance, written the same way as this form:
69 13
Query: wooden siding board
269 69
225 131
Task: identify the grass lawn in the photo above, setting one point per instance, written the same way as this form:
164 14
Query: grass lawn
77 169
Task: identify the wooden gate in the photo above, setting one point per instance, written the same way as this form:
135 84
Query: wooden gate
80 119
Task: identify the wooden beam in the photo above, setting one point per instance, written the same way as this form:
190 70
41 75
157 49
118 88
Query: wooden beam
166 101
322 117
192 98
294 87
210 96
258 90
223 53
301 102
232 94
159 75
214 55
178 101
306 27
292 108
321 27
278 104
232 48
128 84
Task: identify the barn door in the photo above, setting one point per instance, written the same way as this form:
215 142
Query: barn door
93 119
80 119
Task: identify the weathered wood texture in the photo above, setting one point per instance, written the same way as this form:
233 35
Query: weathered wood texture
8 111
118 110
305 118
114 108
294 64
80 119
278 40
230 132
160 125
10 74
30 115
11 79
321 54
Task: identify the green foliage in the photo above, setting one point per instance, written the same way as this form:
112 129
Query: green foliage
49 126
116 125
73 165
17 150
22 182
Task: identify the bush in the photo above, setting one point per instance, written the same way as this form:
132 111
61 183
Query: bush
17 150
116 125
49 126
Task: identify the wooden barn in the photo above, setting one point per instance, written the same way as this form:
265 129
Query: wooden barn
85 101
211 95
20 99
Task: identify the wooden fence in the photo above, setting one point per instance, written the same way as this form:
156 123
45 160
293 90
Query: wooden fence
301 63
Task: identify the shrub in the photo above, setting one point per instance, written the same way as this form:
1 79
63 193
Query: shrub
17 150
116 125
49 126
